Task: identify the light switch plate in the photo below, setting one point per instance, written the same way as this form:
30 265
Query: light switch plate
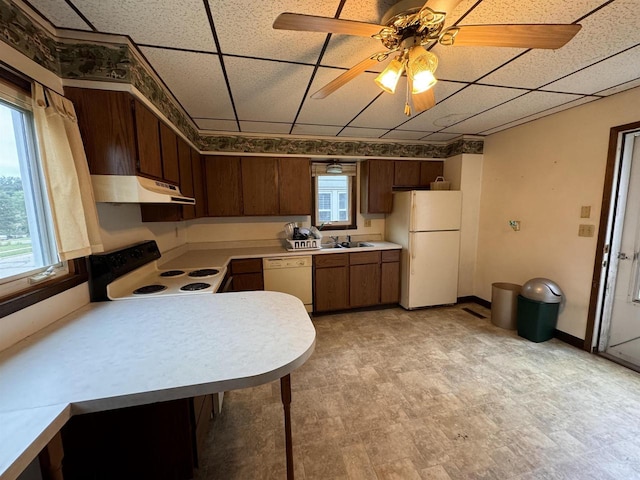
367 222
586 230
585 211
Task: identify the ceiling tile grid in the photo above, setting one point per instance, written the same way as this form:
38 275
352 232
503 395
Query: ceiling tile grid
270 73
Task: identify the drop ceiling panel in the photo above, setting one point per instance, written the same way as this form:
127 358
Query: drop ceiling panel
549 11
530 118
404 135
354 132
615 70
265 127
203 92
523 106
60 14
178 24
313 130
266 91
388 110
343 104
468 64
462 105
440 137
606 32
216 124
244 27
620 88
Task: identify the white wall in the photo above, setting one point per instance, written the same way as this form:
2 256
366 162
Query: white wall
541 173
465 173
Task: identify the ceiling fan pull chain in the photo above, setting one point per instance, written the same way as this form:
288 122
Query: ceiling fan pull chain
407 106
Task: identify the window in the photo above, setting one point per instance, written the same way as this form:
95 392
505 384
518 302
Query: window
334 195
28 254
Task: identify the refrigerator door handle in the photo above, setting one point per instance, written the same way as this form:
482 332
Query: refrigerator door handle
412 254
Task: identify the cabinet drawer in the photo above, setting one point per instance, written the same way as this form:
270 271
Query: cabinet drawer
246 265
390 256
360 258
331 260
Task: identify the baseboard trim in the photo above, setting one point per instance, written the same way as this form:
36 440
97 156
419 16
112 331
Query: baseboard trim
474 299
570 339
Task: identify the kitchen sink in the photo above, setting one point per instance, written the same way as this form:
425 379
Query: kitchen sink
348 245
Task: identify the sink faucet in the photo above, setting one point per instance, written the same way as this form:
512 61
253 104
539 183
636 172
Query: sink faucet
348 238
335 239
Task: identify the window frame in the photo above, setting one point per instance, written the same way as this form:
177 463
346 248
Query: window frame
77 270
352 221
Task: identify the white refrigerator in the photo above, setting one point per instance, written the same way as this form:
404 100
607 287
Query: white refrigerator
427 225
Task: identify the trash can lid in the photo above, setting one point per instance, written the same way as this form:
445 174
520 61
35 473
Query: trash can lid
542 290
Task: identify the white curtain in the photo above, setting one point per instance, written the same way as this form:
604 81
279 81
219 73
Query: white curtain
66 173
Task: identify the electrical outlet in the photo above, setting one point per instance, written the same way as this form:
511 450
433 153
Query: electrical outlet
367 222
586 230
585 211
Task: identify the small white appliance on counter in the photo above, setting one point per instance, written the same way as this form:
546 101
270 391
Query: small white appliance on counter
290 275
427 225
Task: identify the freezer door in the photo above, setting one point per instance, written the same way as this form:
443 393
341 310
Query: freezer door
436 210
432 269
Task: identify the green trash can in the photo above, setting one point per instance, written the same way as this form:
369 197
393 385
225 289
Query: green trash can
537 320
538 307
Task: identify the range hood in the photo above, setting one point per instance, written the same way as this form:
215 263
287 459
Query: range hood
134 189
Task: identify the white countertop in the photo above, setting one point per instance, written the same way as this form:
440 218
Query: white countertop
207 254
117 354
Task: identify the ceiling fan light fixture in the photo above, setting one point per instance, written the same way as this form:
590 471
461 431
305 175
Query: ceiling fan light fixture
388 79
422 66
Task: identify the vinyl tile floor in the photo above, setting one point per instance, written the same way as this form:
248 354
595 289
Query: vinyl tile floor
434 394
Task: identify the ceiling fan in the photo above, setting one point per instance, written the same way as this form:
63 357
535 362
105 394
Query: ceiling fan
410 28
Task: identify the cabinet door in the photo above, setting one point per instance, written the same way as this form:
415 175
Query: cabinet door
331 289
186 178
406 173
248 282
390 282
224 186
169 146
198 184
364 285
376 187
294 181
148 140
106 124
429 170
260 186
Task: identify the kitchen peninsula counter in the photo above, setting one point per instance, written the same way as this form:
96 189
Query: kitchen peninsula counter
119 354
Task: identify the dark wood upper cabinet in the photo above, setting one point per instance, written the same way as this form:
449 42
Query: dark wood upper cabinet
169 145
224 186
406 173
186 178
376 186
107 128
429 170
148 140
294 181
260 186
199 191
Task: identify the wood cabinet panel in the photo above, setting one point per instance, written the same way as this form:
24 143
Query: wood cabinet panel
169 147
360 258
406 173
376 186
390 255
110 141
294 182
148 141
429 170
390 282
224 186
260 186
331 289
364 285
246 265
199 192
331 260
248 282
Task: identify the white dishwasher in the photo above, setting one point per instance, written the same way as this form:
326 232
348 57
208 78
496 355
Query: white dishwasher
290 275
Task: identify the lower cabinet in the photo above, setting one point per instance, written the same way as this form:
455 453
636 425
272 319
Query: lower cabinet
246 274
353 280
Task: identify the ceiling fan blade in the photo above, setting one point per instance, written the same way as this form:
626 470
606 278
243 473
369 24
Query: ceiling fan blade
423 101
521 36
312 23
347 76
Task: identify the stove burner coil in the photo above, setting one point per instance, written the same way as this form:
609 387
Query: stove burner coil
147 289
172 273
204 272
192 287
